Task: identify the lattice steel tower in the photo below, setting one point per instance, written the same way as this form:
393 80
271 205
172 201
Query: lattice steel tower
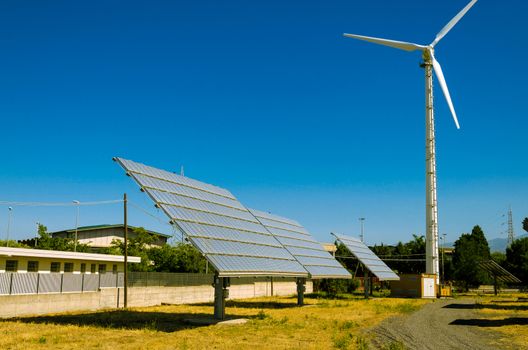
511 234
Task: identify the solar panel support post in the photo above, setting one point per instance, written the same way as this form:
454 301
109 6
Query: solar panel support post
125 243
366 284
221 293
495 284
301 288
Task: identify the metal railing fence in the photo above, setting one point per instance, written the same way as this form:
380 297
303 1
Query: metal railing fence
14 283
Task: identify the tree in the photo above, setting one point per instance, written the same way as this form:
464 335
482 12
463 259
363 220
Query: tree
405 252
137 246
469 250
517 258
12 244
179 258
47 242
525 224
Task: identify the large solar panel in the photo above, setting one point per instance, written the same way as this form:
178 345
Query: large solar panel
299 242
367 258
215 222
497 271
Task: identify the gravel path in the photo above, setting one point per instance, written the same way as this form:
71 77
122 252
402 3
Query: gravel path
435 327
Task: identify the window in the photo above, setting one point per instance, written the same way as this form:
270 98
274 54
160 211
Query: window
55 266
33 266
68 267
83 268
114 268
102 268
11 265
92 268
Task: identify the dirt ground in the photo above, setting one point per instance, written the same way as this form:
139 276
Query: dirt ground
444 324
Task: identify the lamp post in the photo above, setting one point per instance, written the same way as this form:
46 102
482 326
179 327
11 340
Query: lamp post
443 267
9 213
362 220
77 203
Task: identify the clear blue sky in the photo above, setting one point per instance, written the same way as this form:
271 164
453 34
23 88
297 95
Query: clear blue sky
268 100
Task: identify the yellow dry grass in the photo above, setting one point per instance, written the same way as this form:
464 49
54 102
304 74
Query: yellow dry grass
508 315
274 323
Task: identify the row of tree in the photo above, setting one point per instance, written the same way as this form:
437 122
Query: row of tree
167 258
460 267
409 257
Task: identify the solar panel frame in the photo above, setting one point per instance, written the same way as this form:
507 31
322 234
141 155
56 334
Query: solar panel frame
367 257
216 223
498 271
300 243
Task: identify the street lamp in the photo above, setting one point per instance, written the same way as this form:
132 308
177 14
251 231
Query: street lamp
443 248
361 220
9 213
76 225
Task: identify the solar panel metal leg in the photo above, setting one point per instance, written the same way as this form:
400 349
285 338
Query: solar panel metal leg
495 285
366 283
220 295
301 288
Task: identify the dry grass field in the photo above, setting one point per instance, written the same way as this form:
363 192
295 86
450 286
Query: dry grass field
507 314
274 323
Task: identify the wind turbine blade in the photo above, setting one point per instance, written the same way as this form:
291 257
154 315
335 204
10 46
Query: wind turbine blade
452 23
402 45
443 84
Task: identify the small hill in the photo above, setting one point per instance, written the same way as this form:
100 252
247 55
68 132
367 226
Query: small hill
500 244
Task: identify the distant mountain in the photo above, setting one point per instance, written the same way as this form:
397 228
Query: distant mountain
495 244
500 244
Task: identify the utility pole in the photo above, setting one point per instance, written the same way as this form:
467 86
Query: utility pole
9 213
125 224
36 237
76 225
362 220
511 234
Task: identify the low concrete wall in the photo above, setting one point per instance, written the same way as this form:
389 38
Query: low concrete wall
108 298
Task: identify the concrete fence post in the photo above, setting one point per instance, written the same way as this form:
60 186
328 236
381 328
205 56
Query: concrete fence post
11 284
62 281
82 282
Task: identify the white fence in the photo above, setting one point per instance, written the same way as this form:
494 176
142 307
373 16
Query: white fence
13 283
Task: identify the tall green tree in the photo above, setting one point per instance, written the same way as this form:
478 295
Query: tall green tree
525 224
517 258
471 248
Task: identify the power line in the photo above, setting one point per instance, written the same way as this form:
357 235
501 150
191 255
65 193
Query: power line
58 204
384 259
145 211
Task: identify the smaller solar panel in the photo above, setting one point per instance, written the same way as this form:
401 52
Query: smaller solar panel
300 243
367 257
498 271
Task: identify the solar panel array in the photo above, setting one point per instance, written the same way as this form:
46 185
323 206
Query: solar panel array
367 257
216 223
300 243
498 271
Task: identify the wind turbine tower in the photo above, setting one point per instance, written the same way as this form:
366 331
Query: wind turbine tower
429 64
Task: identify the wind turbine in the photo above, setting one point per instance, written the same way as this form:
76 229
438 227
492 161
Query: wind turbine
430 63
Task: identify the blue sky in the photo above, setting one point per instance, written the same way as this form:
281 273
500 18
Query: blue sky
268 100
